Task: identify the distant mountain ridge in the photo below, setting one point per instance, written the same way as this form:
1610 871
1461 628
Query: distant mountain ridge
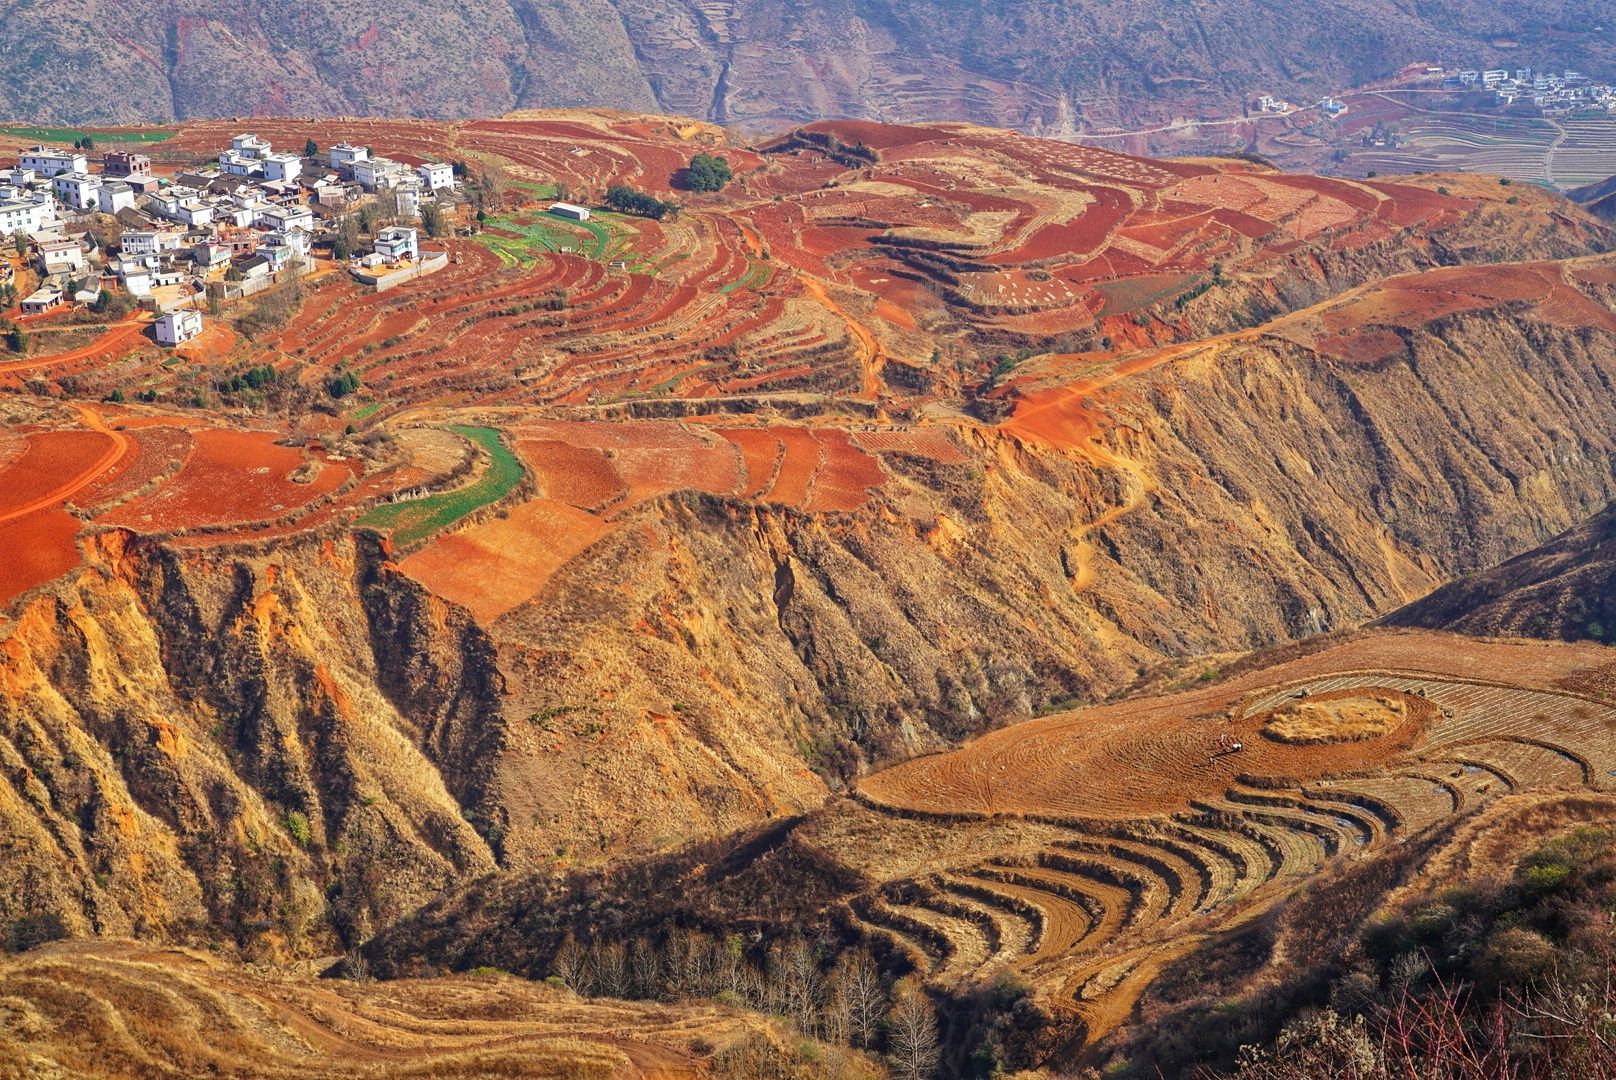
1039 67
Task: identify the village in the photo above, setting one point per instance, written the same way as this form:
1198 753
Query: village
1552 94
178 246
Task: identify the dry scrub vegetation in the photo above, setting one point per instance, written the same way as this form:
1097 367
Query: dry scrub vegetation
1346 719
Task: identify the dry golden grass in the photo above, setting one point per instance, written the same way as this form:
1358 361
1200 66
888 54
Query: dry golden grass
1339 720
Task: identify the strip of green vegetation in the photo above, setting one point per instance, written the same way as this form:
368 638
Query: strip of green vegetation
416 519
365 412
68 135
757 275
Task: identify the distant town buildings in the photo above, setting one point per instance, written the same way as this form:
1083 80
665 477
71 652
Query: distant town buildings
1553 94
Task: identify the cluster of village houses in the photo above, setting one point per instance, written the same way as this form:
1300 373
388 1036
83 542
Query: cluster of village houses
1555 95
235 226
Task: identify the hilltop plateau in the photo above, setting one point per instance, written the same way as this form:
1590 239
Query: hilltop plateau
946 542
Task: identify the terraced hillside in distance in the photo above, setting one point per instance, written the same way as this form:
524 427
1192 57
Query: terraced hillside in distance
951 544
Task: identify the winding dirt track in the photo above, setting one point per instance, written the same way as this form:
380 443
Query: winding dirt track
60 494
118 335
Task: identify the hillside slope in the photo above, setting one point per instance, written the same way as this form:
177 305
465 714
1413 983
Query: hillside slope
1565 589
1040 67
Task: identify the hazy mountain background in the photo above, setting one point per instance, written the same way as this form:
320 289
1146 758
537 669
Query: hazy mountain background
1032 64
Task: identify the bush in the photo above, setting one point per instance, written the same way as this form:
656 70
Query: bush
298 825
340 386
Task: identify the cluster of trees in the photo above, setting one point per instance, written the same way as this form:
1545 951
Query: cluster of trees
842 999
627 200
85 143
254 378
16 339
708 172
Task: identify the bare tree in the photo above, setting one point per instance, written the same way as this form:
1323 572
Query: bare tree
572 965
611 969
645 969
913 1046
859 977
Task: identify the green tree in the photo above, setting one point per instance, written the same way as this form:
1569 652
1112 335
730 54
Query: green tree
432 219
708 172
310 149
86 143
17 339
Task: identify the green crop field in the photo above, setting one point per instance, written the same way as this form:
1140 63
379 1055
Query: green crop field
417 519
547 233
69 135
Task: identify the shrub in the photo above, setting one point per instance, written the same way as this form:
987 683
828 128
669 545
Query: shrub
298 825
340 386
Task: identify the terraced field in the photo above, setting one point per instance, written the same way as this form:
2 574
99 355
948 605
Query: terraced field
1081 849
137 1010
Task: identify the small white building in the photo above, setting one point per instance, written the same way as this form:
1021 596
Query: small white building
250 146
284 218
276 256
60 257
396 243
148 242
47 161
377 174
570 210
41 301
210 254
178 327
282 167
436 175
78 190
299 241
137 280
233 163
26 214
115 196
343 156
409 201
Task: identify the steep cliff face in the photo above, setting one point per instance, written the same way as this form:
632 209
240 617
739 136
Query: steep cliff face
203 747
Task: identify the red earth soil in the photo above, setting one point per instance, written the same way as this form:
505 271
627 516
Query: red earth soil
497 565
38 548
231 477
